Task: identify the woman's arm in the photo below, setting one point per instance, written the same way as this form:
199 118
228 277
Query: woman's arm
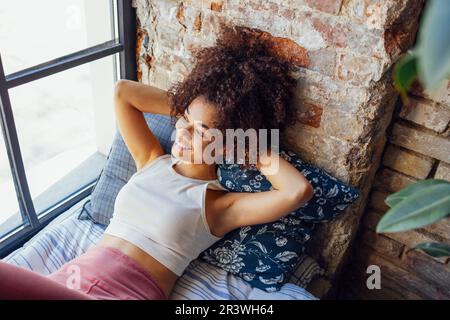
144 98
131 99
236 209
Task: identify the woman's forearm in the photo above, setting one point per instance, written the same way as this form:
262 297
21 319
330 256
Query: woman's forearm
284 177
145 98
290 191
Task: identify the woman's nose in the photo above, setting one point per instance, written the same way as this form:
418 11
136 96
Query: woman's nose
183 124
185 132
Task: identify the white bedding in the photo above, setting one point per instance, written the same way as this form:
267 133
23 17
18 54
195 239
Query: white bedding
67 237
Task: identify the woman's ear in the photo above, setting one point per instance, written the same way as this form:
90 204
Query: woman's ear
221 152
219 148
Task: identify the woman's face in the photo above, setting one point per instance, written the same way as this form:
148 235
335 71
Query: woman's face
193 132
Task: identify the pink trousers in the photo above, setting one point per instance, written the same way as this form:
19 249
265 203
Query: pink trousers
102 273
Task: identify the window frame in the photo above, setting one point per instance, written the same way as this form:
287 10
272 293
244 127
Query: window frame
123 44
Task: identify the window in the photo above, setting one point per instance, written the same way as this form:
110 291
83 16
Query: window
56 114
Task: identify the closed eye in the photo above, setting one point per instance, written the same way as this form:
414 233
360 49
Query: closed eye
200 131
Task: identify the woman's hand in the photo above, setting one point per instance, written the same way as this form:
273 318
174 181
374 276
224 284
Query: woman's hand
285 178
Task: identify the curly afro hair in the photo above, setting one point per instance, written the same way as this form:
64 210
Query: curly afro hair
249 85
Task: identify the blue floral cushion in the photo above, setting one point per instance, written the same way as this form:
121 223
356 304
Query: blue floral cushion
265 255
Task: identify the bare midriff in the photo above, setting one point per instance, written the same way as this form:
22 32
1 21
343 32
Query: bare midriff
163 276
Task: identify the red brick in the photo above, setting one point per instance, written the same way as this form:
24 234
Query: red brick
323 61
407 162
371 218
318 149
440 228
210 24
377 14
326 91
418 90
353 37
198 23
216 6
396 276
141 34
319 287
429 269
443 171
421 141
401 32
426 113
329 6
382 244
286 49
358 69
442 95
287 13
398 38
193 3
340 125
169 38
159 77
391 180
192 43
356 289
263 15
180 13
310 114
377 198
411 238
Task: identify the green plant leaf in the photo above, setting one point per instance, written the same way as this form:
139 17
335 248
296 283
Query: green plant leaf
405 72
399 196
434 249
421 208
433 44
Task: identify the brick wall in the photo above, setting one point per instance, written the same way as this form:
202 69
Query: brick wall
344 50
418 148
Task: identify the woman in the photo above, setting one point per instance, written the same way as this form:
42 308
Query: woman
173 207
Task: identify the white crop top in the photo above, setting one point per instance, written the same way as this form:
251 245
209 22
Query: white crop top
163 213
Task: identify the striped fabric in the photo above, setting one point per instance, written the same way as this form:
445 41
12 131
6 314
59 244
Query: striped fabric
66 237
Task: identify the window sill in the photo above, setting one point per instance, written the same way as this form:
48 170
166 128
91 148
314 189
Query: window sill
84 174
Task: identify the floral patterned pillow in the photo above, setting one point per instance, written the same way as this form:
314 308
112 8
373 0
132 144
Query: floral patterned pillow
265 255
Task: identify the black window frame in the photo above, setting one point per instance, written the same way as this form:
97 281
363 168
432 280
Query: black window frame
125 46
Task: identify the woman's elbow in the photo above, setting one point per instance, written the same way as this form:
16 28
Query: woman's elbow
119 89
304 193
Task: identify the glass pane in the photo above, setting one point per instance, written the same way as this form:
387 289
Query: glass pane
10 217
32 32
61 122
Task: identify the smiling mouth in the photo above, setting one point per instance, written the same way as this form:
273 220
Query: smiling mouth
183 146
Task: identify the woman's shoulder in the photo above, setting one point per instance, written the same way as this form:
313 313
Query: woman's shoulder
155 160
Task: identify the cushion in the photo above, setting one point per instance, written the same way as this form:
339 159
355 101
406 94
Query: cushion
330 198
265 255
